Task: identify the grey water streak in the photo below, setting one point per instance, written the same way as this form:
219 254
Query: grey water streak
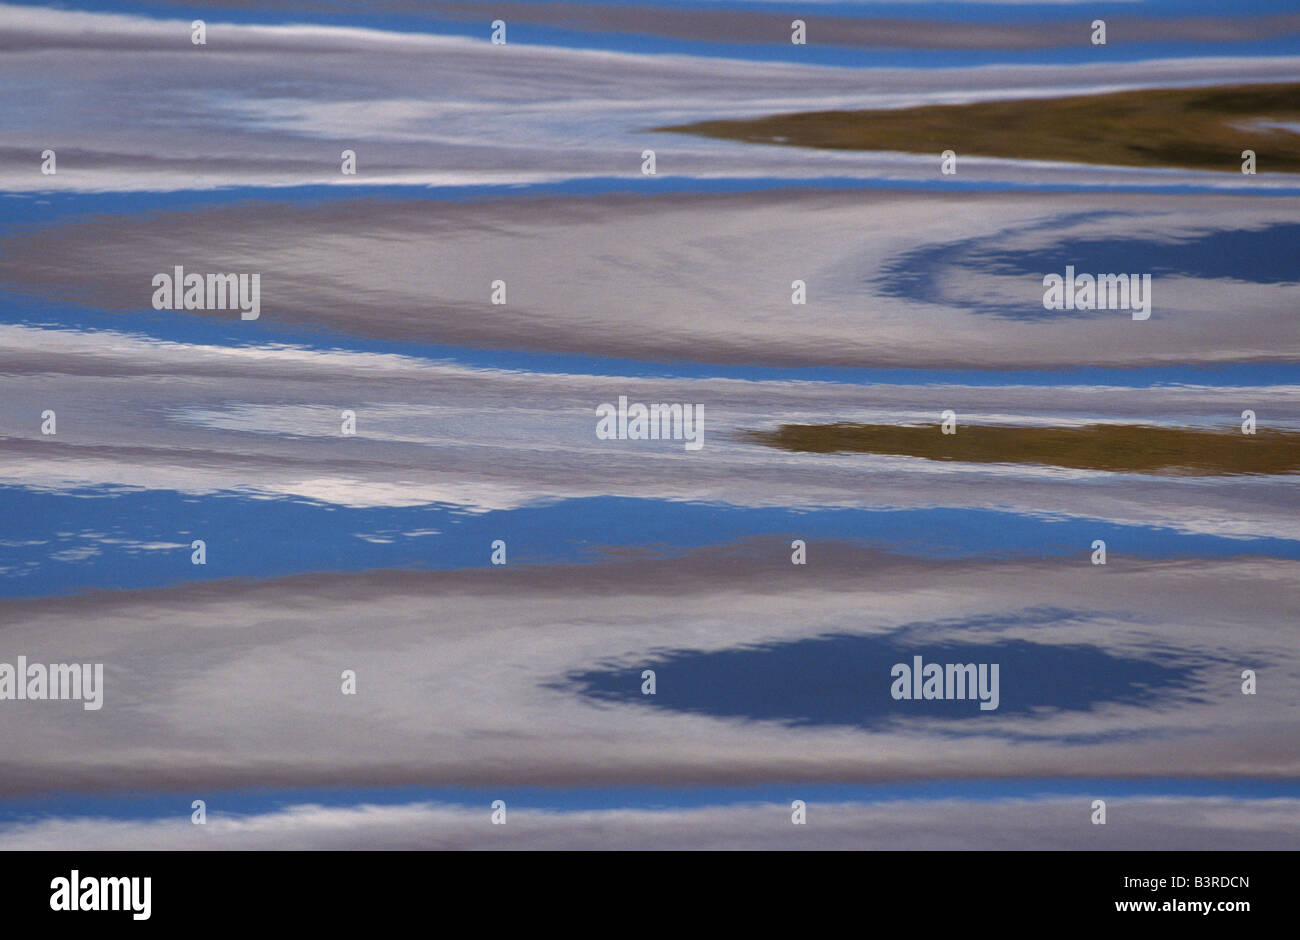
263 106
203 419
762 26
1170 822
753 26
716 287
236 683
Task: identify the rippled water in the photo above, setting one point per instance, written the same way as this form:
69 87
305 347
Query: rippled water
476 425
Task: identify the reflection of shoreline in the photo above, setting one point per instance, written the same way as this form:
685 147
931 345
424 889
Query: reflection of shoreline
1184 128
1116 448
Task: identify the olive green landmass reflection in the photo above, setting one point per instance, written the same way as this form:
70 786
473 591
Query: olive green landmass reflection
1191 128
1124 448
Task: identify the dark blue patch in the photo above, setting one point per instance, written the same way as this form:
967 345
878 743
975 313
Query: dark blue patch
845 679
1262 256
